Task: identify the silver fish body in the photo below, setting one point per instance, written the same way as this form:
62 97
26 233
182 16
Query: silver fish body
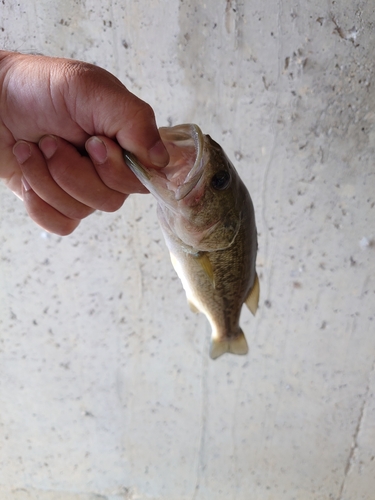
208 222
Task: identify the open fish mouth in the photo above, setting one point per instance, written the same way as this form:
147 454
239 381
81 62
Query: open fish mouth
185 144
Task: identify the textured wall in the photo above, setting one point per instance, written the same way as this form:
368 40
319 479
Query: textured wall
106 388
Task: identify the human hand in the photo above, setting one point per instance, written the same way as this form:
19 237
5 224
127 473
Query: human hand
63 125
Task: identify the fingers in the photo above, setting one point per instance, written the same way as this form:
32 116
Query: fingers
45 215
46 203
38 176
61 187
108 159
77 176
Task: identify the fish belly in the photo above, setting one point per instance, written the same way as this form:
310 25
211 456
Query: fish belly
219 298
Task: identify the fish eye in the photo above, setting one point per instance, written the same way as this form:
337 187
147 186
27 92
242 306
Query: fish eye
221 180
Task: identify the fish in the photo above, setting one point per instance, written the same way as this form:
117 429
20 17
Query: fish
208 222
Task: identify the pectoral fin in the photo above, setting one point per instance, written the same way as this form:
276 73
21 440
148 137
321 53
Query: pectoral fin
235 345
193 307
252 299
174 262
206 265
179 272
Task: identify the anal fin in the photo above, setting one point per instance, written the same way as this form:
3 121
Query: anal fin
234 345
252 300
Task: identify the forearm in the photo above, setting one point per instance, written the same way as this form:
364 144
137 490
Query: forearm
6 59
6 53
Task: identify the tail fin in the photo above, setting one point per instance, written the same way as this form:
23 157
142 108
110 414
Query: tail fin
234 345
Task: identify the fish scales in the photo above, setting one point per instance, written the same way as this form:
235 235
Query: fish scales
208 222
234 274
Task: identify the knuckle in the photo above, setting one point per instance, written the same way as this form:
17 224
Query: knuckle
78 212
51 221
113 202
66 228
144 113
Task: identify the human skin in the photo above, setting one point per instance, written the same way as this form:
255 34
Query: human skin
63 125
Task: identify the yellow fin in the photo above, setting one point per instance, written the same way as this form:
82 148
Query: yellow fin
206 265
252 299
178 270
174 261
193 307
235 345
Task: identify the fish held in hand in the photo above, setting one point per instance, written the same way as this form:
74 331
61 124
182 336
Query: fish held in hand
208 222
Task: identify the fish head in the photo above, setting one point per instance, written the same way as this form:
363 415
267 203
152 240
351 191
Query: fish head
199 192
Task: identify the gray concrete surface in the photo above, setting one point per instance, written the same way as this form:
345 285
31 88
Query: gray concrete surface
106 388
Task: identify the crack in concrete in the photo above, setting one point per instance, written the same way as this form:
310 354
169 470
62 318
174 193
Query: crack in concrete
354 447
352 451
202 439
237 473
272 154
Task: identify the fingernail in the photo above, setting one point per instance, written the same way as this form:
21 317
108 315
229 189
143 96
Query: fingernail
26 185
21 151
158 155
97 149
48 146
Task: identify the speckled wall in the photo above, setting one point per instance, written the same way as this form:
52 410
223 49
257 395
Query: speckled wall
106 387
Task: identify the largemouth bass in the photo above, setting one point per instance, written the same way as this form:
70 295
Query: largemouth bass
208 222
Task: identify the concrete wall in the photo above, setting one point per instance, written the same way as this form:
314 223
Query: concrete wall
106 388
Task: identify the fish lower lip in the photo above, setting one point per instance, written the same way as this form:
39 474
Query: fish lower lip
185 146
174 182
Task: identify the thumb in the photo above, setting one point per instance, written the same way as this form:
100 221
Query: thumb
138 133
106 107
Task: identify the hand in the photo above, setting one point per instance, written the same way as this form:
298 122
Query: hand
62 126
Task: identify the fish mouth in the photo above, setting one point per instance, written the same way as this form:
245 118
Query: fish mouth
174 182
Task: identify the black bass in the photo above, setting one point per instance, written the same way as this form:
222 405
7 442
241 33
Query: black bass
208 222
